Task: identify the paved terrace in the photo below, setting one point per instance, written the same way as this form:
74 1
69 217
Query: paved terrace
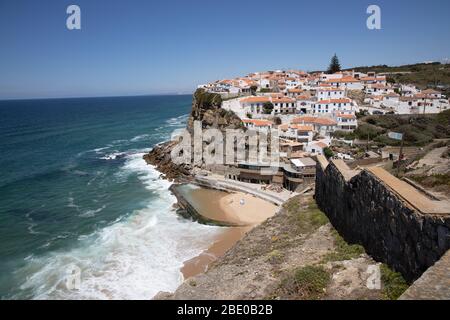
219 182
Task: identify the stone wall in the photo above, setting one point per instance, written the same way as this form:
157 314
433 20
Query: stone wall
365 211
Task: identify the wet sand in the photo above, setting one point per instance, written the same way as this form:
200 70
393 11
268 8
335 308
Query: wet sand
238 208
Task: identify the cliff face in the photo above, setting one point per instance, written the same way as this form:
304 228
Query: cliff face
206 107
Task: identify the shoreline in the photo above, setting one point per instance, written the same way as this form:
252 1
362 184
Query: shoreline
238 208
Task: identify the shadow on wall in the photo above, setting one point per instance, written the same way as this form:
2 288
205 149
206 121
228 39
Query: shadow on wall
365 210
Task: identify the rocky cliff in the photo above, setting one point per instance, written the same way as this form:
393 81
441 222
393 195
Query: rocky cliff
206 107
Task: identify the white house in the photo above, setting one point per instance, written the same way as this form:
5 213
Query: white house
333 106
378 89
324 126
259 125
254 105
297 132
346 122
284 105
316 147
349 83
326 93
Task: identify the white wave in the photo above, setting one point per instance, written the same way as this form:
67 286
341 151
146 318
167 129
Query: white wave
140 137
178 121
133 258
113 156
91 213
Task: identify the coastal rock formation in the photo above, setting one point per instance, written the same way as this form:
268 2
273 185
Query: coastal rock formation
206 107
160 158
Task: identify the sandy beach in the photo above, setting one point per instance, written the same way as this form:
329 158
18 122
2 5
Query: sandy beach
238 208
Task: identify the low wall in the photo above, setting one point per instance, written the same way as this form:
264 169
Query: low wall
365 209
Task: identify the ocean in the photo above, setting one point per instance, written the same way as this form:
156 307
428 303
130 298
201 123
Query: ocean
82 216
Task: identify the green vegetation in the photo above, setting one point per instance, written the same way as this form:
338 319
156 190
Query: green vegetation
328 152
249 115
306 283
268 107
275 256
433 180
418 130
434 75
344 251
306 220
393 283
335 66
265 90
207 99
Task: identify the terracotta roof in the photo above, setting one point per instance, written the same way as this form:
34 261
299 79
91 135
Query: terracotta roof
258 123
256 100
320 144
392 94
329 89
343 80
315 120
282 100
346 116
379 86
295 90
301 127
430 91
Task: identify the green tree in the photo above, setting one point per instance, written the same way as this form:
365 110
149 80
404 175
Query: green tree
335 66
328 153
268 107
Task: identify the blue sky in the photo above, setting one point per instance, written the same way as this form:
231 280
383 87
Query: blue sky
139 47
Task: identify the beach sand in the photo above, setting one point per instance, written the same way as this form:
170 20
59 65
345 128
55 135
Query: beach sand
238 208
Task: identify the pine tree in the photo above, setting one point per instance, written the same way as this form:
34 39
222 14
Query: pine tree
335 66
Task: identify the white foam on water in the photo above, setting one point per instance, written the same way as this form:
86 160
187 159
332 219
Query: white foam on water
133 258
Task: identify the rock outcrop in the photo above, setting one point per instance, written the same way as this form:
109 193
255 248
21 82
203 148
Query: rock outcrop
161 159
206 107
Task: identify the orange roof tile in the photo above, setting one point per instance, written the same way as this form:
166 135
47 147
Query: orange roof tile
260 99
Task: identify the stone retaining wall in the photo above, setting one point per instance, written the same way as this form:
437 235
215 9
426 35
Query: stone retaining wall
365 211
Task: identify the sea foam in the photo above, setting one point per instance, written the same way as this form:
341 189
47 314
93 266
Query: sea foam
135 257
